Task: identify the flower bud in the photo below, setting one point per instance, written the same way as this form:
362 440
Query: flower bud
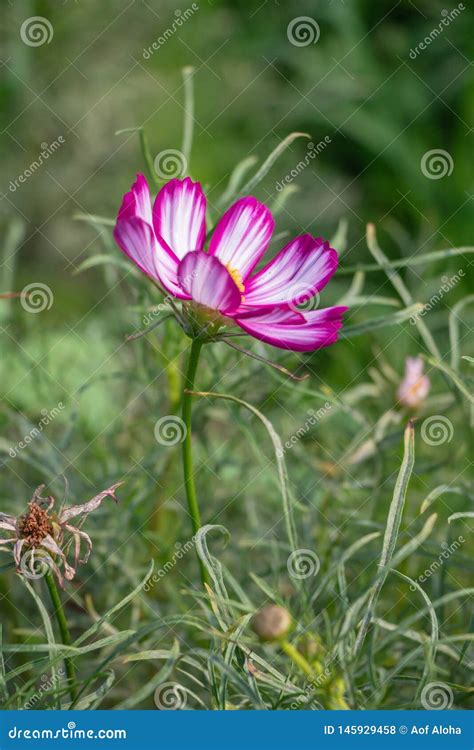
271 622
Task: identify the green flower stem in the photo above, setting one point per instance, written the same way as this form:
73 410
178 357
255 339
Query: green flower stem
297 658
187 446
65 635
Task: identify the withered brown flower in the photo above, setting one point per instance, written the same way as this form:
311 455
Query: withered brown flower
40 536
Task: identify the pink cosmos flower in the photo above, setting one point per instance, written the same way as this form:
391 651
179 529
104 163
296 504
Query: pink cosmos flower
415 386
166 242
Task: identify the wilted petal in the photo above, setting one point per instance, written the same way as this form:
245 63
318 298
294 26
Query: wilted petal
78 534
17 551
49 544
77 510
7 522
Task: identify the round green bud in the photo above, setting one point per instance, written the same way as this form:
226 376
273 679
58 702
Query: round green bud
271 622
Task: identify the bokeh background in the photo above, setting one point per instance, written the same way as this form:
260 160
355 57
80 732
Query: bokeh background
380 104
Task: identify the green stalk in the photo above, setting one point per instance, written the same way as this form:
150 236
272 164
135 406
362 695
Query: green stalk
65 635
187 446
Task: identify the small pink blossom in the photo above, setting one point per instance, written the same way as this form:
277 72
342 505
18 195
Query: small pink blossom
415 386
166 241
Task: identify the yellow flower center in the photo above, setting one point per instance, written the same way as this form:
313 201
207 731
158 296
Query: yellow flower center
236 277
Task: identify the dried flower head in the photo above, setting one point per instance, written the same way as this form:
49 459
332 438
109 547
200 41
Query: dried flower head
40 536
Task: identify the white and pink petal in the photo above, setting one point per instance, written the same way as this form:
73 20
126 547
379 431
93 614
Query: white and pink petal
179 217
242 236
208 282
137 202
312 330
295 275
